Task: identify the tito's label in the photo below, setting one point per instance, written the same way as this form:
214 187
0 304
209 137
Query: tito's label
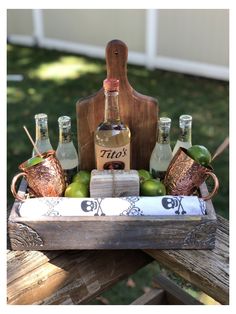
116 158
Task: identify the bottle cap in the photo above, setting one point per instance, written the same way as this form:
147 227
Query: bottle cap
40 116
111 85
64 121
185 120
164 121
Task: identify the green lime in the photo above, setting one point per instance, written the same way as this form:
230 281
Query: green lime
77 189
144 175
200 154
82 176
33 161
152 187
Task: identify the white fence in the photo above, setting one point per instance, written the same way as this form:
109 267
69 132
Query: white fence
188 41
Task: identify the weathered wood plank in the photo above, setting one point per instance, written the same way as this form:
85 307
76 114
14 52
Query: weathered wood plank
72 277
173 293
206 269
108 233
19 263
152 297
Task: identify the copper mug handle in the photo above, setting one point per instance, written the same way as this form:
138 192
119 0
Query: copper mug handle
216 186
13 186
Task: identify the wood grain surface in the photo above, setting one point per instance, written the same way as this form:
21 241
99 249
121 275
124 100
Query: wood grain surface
73 277
206 269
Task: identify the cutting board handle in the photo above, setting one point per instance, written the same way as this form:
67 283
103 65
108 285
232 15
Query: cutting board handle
116 60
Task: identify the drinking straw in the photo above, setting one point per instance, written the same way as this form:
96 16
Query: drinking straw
31 140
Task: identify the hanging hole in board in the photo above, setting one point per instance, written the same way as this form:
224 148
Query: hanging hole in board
116 52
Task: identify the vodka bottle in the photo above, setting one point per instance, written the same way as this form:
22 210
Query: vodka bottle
66 152
185 135
42 140
112 137
161 154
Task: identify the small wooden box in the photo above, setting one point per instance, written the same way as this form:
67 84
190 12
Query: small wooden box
112 232
117 183
140 112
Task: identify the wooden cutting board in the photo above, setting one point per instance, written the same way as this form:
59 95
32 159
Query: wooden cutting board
138 111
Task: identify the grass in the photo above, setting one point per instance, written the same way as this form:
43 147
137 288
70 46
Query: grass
54 81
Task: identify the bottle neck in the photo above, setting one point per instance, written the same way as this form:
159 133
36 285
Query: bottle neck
163 136
41 132
185 134
112 112
65 135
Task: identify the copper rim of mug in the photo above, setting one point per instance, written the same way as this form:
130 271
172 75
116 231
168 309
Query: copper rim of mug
184 150
47 155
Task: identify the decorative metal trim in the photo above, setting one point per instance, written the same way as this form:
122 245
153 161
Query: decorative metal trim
202 236
22 236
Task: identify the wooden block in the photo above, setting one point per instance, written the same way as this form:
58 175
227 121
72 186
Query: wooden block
114 183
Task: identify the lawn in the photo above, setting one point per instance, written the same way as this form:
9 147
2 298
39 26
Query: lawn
52 83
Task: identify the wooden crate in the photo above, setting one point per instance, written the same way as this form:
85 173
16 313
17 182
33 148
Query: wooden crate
115 232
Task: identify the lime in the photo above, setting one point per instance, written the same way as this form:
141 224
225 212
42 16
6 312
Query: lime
200 154
83 176
152 187
33 161
144 175
77 189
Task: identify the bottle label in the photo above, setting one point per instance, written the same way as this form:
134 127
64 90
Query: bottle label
158 174
116 158
69 173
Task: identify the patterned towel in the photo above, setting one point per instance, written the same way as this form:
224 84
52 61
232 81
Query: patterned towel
117 206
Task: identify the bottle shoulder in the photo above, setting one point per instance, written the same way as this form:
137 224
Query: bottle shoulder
162 151
66 150
42 145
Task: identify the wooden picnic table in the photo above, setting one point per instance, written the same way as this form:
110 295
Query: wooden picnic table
77 277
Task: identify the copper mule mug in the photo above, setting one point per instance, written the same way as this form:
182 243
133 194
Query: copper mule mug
44 179
184 175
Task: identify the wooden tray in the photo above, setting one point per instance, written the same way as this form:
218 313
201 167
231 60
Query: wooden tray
118 232
113 232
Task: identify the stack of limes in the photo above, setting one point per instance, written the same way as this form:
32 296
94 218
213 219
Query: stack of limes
150 186
80 185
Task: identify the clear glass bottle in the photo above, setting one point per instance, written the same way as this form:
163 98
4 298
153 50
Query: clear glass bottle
42 140
185 135
112 137
66 152
162 153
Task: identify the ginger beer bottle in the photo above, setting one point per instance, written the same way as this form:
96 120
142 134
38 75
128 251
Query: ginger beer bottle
112 137
162 153
66 152
42 140
185 134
